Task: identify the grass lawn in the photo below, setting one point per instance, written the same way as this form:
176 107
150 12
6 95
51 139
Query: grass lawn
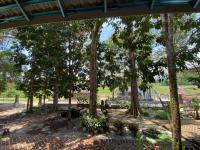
11 99
105 91
188 90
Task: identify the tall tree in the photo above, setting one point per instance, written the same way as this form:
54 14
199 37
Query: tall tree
6 69
74 51
171 61
136 38
95 27
53 54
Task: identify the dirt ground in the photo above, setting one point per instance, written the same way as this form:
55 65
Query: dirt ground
52 124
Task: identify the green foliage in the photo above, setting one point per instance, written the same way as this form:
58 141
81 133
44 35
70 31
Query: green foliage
151 132
12 93
161 115
150 138
185 27
142 142
195 81
110 60
135 39
2 83
165 138
145 114
95 125
195 104
186 77
144 86
119 125
7 73
183 77
51 59
124 103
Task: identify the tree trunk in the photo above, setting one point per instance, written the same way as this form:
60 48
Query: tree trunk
44 102
31 93
171 59
16 99
40 101
31 102
55 99
134 86
197 115
45 90
69 107
113 94
70 74
27 106
150 93
93 69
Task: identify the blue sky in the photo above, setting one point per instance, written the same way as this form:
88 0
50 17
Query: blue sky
106 33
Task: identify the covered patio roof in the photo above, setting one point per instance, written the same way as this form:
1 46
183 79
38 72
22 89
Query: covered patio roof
15 13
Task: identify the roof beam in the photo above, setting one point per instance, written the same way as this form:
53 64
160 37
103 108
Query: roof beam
152 4
22 10
30 2
61 8
115 10
105 6
196 3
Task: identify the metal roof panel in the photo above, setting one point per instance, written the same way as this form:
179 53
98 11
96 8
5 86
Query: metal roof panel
45 11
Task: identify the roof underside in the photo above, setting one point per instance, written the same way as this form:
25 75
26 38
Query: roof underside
14 13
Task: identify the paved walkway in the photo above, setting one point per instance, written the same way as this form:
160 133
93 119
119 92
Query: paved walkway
24 142
41 142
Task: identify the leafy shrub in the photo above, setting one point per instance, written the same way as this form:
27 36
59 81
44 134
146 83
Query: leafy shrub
142 143
196 106
124 103
165 138
95 125
146 114
151 132
134 128
119 125
161 115
194 81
